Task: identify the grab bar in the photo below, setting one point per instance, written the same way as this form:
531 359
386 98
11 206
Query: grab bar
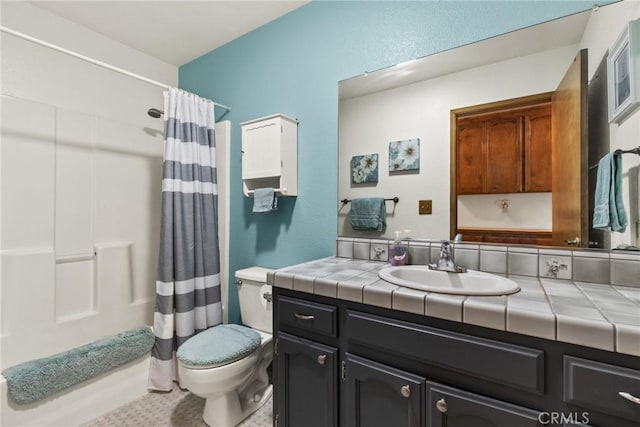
75 258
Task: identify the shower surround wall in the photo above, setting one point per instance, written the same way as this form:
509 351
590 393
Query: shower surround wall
80 206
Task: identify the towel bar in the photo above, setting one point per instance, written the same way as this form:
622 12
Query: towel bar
619 151
282 191
395 200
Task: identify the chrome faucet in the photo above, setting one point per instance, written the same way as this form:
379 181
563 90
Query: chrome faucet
446 262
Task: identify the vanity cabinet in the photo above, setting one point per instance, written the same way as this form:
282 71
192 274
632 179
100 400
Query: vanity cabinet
504 152
350 364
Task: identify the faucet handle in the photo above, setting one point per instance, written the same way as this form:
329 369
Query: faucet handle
445 249
457 238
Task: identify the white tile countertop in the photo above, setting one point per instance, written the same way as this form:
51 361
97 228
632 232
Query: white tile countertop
593 315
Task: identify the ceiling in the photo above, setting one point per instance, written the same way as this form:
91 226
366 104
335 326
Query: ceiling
172 31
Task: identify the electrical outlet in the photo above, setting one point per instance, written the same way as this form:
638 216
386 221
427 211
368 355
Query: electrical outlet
424 207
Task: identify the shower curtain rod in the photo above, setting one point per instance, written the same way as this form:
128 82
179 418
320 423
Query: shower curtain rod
93 61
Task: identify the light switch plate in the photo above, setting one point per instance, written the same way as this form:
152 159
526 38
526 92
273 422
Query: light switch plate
424 207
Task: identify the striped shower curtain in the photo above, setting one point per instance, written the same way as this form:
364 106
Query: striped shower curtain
188 283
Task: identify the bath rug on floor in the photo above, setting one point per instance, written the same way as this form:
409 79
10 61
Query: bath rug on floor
36 379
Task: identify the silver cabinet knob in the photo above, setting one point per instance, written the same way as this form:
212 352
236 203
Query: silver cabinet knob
405 391
441 405
322 359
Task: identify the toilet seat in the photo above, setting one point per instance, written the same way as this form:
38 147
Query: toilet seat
218 346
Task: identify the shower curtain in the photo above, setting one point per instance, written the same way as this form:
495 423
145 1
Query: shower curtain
188 283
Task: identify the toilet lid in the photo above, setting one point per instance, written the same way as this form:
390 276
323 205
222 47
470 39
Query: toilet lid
218 346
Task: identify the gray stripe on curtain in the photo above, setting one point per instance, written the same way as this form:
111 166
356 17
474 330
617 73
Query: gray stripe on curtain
190 245
189 172
164 349
188 283
187 132
167 304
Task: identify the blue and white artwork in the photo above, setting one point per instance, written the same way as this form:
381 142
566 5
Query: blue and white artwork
364 169
404 155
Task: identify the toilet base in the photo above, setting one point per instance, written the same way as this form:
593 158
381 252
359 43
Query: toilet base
226 411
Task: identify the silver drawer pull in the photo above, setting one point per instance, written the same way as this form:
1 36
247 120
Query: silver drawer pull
441 405
405 391
322 359
268 296
630 397
304 316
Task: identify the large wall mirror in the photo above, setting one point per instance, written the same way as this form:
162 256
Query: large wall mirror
505 85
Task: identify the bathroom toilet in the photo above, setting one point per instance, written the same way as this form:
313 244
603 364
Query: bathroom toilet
227 364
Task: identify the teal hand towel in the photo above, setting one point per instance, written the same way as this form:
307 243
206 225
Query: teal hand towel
368 214
609 212
264 200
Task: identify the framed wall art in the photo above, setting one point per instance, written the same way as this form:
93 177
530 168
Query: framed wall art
364 169
623 74
404 155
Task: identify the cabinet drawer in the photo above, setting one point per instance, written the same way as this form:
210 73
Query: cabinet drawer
505 364
310 316
595 385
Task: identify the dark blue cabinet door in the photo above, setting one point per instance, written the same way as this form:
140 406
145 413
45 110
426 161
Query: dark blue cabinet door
305 383
452 407
381 396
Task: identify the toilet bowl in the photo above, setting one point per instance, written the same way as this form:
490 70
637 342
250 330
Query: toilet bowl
227 364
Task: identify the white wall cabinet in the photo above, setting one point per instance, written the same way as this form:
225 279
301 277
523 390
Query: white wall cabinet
270 155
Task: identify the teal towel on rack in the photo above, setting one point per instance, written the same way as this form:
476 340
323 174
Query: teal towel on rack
368 214
264 200
609 212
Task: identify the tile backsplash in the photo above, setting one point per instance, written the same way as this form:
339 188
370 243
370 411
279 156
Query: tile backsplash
584 266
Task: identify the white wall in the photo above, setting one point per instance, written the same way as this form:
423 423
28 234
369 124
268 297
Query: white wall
80 175
602 30
422 110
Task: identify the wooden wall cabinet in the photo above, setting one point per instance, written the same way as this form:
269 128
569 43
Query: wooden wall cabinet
504 152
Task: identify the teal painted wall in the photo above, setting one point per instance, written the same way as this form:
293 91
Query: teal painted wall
292 66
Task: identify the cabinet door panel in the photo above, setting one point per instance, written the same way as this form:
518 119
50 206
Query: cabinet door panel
261 149
451 407
379 395
306 383
470 158
504 155
537 142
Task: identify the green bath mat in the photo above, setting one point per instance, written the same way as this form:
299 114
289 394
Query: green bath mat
37 379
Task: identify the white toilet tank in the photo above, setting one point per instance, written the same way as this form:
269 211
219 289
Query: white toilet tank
256 310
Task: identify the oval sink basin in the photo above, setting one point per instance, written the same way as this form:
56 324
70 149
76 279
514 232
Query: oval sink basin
470 283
